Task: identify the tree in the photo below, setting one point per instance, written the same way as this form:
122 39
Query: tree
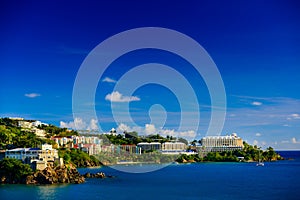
131 135
194 142
270 154
14 170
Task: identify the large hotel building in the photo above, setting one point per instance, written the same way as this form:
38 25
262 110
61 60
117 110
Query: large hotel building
222 143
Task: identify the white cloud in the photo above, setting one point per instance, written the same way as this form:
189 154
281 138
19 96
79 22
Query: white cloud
109 80
294 141
255 142
185 134
295 116
150 129
118 97
32 95
291 141
123 127
260 144
80 124
93 124
258 134
256 103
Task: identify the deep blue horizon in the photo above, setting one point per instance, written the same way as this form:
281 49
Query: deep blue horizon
255 45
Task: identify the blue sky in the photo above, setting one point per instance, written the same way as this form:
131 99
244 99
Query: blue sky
254 44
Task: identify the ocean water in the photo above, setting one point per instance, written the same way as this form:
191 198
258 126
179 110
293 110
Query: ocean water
276 180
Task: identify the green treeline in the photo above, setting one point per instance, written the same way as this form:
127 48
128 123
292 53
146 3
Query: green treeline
78 158
56 131
134 138
14 170
248 153
12 136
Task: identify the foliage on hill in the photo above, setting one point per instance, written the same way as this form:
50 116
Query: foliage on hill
13 171
57 131
253 153
184 158
78 158
153 157
12 136
133 138
249 153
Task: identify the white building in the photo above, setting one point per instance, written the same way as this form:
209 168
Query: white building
39 132
16 118
86 140
25 124
222 143
28 155
37 123
91 149
153 146
62 141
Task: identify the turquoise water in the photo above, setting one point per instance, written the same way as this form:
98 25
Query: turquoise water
276 180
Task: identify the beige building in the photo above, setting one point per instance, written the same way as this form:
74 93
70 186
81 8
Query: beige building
222 143
25 124
173 146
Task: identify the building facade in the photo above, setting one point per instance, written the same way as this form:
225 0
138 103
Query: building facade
152 146
176 146
130 149
41 156
222 143
91 149
45 153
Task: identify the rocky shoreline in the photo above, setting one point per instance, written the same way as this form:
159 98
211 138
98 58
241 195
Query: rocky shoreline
54 175
64 174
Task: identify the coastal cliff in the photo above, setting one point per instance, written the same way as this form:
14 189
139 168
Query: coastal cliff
13 171
21 173
64 174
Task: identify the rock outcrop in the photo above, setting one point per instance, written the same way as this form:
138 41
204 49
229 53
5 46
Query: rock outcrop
52 175
96 175
64 174
87 163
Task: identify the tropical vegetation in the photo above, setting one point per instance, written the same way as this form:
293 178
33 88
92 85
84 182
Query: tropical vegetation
77 158
13 136
13 170
248 153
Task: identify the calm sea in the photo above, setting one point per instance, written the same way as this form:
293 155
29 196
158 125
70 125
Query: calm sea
276 180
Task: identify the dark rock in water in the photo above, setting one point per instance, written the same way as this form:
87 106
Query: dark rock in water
87 175
96 175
